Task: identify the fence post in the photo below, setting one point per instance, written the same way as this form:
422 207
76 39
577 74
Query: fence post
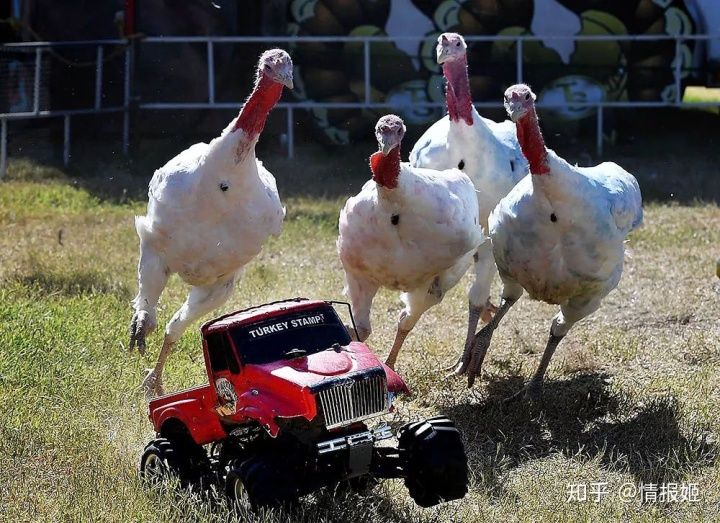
599 137
36 86
66 141
290 133
366 58
519 61
211 72
126 101
98 76
3 148
678 63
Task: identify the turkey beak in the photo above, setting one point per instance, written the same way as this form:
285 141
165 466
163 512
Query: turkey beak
286 80
387 147
388 141
442 54
512 109
443 51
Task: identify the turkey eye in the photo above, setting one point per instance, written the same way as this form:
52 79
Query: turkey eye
457 44
527 96
398 131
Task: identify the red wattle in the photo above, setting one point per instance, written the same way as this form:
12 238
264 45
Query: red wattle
254 113
532 143
386 169
457 93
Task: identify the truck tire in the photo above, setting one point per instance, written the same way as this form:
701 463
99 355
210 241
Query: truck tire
259 482
434 461
163 457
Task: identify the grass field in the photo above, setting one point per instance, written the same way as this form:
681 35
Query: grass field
632 394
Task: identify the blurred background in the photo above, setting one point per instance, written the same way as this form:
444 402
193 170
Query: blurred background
145 78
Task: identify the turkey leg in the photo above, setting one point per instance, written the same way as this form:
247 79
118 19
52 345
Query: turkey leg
474 354
533 390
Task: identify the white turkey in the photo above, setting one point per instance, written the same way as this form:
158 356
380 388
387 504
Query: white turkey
409 229
487 151
559 235
210 210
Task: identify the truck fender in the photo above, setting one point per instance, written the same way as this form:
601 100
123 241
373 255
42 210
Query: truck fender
203 426
264 408
168 415
395 383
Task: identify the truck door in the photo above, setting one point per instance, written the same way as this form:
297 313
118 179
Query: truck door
223 370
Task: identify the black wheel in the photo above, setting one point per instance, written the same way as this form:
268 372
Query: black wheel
434 461
235 487
259 482
164 457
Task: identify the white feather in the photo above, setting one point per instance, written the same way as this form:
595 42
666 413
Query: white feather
426 252
579 256
200 231
488 150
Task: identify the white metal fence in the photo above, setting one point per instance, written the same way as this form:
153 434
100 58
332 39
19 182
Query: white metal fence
41 49
127 51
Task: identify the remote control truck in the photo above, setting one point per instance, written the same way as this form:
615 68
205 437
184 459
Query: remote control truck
286 410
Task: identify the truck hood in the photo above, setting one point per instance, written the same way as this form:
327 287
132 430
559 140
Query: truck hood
314 370
286 389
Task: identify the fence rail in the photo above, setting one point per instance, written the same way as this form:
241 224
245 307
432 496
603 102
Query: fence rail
66 114
210 41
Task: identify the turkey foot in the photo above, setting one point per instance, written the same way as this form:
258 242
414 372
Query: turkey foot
139 327
475 314
474 355
152 385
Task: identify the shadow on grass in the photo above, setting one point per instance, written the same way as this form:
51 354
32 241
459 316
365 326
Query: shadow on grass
371 507
583 419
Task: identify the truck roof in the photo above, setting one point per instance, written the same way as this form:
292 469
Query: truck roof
258 313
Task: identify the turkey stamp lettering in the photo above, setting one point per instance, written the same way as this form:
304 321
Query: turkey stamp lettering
286 325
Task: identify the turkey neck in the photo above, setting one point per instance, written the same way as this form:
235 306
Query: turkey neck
386 169
255 111
459 99
532 143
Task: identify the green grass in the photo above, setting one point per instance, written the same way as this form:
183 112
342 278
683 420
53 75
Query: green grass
632 393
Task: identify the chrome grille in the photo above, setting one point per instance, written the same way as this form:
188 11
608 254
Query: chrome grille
355 400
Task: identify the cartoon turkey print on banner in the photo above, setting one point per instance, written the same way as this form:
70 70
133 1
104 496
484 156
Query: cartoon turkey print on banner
334 72
562 71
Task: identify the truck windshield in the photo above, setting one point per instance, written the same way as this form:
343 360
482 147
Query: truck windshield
289 336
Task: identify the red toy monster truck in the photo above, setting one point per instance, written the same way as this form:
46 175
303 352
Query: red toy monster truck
285 414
